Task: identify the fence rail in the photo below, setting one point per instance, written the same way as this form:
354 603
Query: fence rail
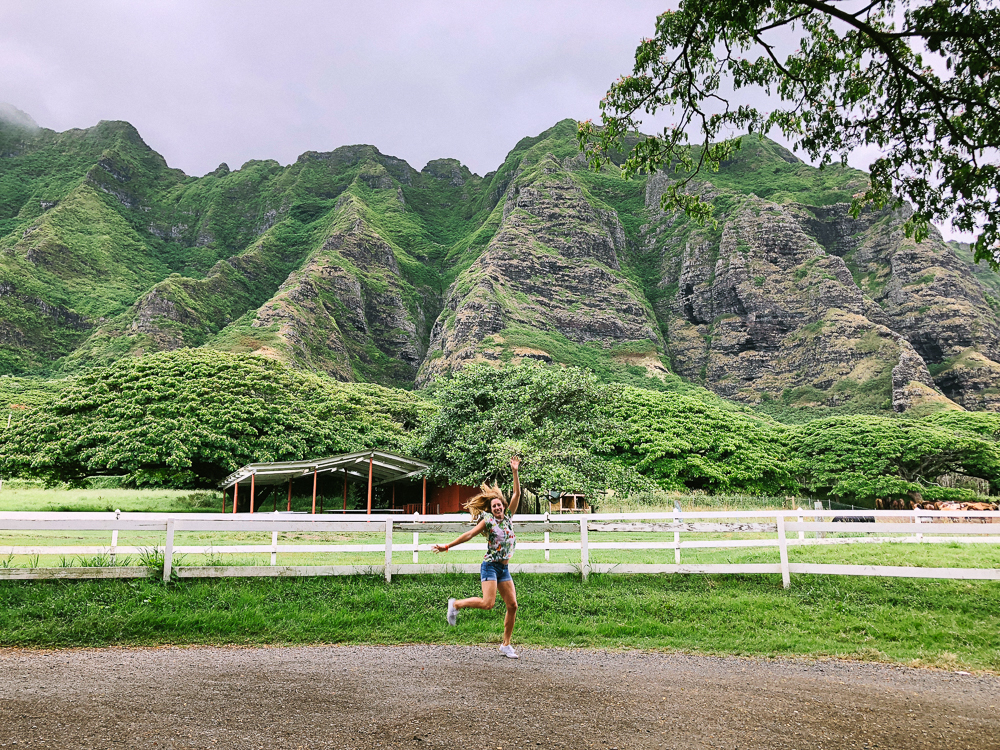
797 528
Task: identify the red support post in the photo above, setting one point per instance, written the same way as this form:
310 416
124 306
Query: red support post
289 494
236 494
371 458
223 499
253 478
314 491
423 510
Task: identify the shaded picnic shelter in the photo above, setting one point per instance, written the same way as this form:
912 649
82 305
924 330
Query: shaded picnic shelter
372 467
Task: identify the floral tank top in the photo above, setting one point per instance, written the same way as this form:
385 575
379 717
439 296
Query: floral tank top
500 539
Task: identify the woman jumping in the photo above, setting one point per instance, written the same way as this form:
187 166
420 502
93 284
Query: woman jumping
492 515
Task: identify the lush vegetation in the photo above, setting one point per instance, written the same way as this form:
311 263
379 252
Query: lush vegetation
866 458
189 261
949 624
188 418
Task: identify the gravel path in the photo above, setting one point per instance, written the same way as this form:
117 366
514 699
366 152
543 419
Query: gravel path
463 697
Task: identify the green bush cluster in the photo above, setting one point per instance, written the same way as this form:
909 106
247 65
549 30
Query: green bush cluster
187 418
576 433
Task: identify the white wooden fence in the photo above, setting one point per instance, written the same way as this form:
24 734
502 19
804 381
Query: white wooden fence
781 529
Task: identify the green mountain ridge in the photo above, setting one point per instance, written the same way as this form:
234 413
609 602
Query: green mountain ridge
353 264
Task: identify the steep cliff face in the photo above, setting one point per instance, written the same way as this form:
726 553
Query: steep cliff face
550 278
353 264
349 311
322 283
805 304
928 294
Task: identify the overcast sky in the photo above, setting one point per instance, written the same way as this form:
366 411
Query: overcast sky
209 81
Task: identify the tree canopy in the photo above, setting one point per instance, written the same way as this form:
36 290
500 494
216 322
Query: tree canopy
919 79
867 458
575 434
188 418
551 417
683 443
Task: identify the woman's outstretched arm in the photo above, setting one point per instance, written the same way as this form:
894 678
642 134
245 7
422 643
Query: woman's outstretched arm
515 498
477 529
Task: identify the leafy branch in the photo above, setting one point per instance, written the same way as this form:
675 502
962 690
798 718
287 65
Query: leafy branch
857 79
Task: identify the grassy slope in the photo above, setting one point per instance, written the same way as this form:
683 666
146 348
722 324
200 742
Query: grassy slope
945 624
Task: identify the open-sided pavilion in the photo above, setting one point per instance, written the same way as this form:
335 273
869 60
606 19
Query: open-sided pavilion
377 467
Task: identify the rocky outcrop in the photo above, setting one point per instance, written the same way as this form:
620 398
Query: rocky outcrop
348 311
552 272
777 304
923 291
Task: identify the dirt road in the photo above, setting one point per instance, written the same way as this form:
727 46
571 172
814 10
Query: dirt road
460 697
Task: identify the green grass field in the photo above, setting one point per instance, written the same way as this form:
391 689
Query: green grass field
953 625
30 496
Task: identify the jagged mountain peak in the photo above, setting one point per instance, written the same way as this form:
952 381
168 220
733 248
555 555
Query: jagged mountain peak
452 170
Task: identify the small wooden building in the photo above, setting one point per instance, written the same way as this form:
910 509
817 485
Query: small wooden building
568 502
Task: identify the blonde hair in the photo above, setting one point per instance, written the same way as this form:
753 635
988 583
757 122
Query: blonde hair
481 503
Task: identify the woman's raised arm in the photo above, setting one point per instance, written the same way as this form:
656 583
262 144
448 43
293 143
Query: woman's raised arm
515 498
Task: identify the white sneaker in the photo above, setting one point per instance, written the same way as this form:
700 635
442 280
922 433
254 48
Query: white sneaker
452 612
509 652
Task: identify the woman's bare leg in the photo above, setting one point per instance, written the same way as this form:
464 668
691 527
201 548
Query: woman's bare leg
509 596
487 600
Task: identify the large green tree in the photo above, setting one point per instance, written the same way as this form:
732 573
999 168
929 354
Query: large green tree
576 434
188 418
919 79
867 458
551 417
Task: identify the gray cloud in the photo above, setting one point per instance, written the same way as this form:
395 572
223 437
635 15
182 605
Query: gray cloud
12 115
212 81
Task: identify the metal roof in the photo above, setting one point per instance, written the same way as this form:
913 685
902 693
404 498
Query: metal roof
386 467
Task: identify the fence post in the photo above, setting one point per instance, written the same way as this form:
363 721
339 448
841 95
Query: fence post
274 546
786 581
802 534
416 538
388 549
677 534
546 537
818 505
168 550
916 519
114 537
584 550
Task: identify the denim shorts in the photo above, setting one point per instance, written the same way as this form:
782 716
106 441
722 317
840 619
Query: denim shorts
494 571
